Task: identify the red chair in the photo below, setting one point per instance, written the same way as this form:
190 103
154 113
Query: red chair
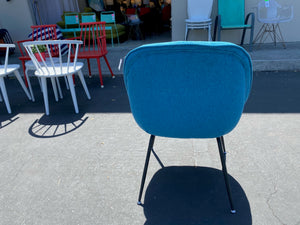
39 32
130 11
94 45
144 11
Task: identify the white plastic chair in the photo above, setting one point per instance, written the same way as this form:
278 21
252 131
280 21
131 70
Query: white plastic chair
30 66
271 14
8 69
198 16
53 67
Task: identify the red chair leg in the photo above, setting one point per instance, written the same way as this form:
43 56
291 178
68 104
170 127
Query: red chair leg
89 66
100 74
113 76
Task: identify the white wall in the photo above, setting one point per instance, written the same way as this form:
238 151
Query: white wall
15 16
290 30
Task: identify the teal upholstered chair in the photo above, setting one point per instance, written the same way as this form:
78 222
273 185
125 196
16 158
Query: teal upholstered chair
231 15
176 90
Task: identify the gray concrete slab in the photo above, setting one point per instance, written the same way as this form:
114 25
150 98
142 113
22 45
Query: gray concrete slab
86 168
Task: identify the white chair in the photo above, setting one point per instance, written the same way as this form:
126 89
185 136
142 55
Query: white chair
8 69
271 14
30 66
199 12
53 68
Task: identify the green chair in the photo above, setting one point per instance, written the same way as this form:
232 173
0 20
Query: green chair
72 23
109 17
88 17
231 15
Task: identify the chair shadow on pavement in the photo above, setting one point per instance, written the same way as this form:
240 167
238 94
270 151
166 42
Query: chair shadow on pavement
182 195
56 125
7 119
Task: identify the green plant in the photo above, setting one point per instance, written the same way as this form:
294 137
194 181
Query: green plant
41 48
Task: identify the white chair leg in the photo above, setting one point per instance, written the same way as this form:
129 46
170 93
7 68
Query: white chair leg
4 94
72 90
66 81
29 85
45 94
59 88
186 32
54 88
18 76
84 84
209 32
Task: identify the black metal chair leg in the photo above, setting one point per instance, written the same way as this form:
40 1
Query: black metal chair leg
215 29
221 145
150 146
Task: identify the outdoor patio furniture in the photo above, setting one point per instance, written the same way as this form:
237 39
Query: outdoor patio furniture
198 16
109 18
72 23
30 66
185 95
271 14
94 45
7 69
5 38
52 68
231 15
39 32
87 17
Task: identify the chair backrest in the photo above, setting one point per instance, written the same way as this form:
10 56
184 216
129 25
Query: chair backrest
5 38
72 19
88 17
232 12
108 16
269 11
93 37
144 11
45 63
130 11
176 90
5 48
199 10
43 32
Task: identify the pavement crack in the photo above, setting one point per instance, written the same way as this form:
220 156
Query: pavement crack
269 205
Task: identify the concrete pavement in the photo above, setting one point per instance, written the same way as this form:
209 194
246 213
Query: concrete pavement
86 168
